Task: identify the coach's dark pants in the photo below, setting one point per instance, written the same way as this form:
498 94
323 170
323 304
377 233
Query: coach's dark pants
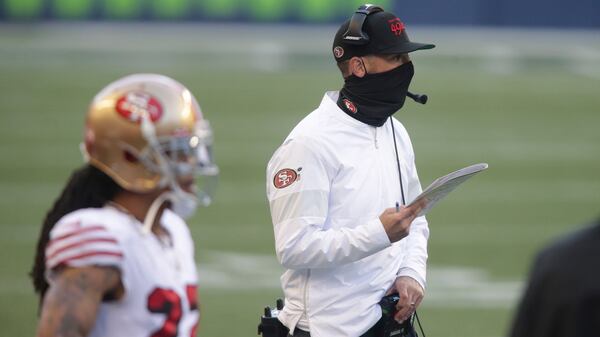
373 332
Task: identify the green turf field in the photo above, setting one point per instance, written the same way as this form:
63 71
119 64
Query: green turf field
511 99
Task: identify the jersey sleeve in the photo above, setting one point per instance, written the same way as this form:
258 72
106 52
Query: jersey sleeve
78 243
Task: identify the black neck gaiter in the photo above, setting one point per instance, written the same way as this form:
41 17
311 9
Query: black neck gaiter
373 98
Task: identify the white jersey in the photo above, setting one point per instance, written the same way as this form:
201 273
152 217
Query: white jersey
159 278
327 185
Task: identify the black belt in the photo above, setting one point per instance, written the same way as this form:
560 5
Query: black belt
299 333
372 332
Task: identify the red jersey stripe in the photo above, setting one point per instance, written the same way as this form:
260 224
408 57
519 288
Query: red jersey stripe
84 255
99 228
76 244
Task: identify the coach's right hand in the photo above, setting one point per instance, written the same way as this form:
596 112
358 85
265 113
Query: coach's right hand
397 224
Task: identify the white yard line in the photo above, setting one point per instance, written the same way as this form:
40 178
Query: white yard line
447 287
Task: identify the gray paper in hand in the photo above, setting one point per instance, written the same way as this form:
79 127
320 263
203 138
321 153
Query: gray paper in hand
442 186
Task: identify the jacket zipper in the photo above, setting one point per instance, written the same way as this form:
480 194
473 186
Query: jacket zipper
306 296
375 137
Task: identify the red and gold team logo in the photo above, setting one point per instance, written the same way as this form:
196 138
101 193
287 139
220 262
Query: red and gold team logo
133 104
396 26
338 52
350 106
284 178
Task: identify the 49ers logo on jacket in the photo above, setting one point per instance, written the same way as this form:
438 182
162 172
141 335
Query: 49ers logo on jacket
284 178
134 104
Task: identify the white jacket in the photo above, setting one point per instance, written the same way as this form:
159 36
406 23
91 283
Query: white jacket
327 184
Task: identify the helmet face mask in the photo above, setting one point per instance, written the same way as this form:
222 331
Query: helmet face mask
189 154
147 132
190 159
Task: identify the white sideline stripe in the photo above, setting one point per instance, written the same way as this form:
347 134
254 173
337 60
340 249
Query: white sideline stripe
447 287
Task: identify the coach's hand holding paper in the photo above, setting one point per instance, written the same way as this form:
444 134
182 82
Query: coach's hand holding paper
396 220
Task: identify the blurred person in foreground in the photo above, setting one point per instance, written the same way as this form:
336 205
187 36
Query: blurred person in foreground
333 184
562 297
115 257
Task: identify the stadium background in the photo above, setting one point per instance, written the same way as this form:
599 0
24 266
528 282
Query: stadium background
509 84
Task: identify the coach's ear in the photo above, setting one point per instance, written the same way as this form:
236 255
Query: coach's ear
356 67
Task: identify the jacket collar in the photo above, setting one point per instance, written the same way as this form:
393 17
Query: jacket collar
329 105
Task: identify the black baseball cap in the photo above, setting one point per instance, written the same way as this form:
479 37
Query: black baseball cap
381 33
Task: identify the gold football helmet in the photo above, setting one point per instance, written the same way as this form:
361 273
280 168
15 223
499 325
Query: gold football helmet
147 131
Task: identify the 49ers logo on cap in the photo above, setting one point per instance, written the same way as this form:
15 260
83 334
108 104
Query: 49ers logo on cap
284 178
396 26
338 52
135 103
350 106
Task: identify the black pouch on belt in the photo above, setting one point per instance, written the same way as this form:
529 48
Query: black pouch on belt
269 325
388 325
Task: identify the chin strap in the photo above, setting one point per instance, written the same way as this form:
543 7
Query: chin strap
153 211
183 205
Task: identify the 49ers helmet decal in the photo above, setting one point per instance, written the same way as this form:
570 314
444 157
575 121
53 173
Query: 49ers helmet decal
146 131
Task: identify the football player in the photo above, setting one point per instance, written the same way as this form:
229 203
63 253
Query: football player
114 256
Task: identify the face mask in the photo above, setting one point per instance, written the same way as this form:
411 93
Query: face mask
373 98
184 204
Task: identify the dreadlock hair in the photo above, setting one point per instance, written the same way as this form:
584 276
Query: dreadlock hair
87 187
